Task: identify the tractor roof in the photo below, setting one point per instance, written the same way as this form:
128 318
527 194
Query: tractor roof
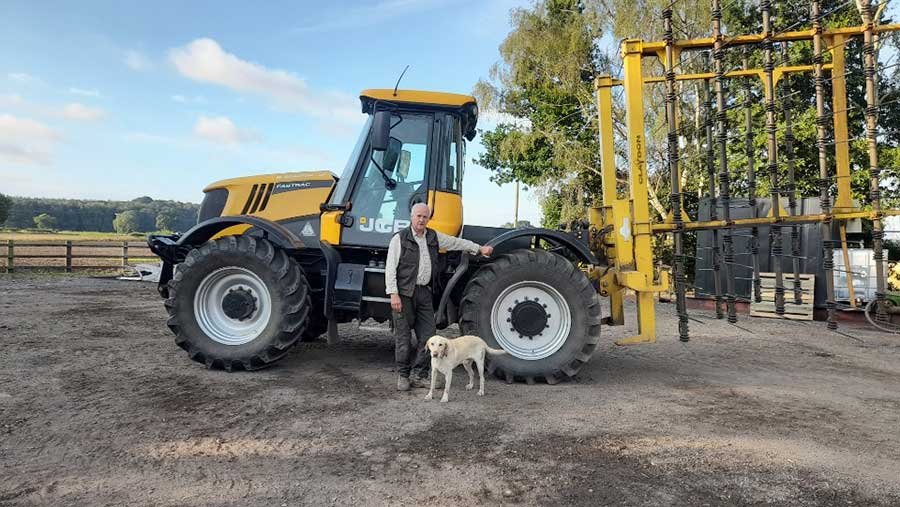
419 97
466 105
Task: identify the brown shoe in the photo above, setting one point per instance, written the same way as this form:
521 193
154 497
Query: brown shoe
403 384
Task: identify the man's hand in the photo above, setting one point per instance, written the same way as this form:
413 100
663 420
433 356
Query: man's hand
396 305
486 251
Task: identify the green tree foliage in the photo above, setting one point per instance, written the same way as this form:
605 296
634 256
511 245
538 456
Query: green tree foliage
522 223
167 220
5 204
84 215
797 92
543 89
543 86
126 222
45 221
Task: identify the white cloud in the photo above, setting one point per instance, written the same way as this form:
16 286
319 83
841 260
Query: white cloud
371 15
72 111
222 130
21 77
135 60
11 100
86 93
197 99
26 142
205 61
76 111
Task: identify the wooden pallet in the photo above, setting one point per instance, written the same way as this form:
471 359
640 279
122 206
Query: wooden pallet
792 311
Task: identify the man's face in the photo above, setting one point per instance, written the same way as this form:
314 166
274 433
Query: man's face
420 216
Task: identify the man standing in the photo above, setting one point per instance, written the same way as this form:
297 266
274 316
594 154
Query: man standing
409 277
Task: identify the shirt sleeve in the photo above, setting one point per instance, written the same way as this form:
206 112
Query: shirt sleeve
446 242
390 266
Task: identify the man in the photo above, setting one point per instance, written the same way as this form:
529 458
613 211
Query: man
409 277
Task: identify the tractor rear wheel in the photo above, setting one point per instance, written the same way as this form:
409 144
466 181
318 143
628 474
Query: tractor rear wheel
538 307
238 302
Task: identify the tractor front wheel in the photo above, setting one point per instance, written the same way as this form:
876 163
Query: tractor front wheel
238 302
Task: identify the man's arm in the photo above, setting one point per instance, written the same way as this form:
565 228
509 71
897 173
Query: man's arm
390 267
446 242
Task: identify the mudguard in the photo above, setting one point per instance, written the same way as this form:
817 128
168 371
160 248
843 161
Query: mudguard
172 249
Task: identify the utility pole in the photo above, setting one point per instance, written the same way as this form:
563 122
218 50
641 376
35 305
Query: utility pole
516 216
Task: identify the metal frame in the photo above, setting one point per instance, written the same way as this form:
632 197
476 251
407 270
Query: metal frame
622 224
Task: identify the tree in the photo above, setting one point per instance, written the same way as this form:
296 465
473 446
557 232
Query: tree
45 221
543 88
126 222
522 223
166 220
5 204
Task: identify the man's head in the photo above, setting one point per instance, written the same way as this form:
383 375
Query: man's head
419 216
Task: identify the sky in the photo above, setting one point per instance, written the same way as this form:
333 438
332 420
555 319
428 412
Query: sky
116 100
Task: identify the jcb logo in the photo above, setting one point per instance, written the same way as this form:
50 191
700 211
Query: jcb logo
381 225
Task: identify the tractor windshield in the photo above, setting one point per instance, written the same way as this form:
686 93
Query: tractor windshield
347 175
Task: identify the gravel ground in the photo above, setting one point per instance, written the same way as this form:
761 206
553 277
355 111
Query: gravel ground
99 407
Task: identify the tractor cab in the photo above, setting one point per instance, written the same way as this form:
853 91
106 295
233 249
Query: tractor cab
411 150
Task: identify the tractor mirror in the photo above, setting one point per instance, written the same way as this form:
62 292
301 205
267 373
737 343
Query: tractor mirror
381 130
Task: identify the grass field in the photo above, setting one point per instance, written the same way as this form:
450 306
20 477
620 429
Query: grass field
24 235
91 251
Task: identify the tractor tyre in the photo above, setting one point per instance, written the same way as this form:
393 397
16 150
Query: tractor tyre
315 326
538 307
238 302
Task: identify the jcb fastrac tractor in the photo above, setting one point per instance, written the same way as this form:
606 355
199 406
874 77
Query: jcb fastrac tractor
280 258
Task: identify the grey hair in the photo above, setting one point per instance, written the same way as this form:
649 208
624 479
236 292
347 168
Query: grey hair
419 205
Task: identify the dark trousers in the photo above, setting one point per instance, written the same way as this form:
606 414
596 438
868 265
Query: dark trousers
416 315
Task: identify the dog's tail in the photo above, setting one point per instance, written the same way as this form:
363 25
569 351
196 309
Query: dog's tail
494 352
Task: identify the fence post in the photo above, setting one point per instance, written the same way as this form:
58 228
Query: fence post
68 256
9 256
124 253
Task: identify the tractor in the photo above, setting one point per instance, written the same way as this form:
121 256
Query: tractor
281 258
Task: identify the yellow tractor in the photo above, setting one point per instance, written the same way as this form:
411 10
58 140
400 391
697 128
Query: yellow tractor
279 258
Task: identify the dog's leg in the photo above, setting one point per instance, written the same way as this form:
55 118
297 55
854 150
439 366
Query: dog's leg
448 379
480 364
468 365
430 394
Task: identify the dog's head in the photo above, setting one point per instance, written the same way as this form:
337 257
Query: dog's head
438 346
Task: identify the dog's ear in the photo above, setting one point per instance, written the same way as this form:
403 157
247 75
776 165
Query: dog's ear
444 350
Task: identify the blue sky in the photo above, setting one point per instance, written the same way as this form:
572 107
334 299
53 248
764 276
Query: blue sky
114 100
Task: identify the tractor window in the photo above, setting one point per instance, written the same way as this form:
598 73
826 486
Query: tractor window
448 178
347 176
405 162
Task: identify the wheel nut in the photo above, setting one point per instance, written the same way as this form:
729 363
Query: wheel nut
508 320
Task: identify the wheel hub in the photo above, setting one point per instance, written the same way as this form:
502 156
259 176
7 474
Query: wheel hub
528 318
232 305
239 304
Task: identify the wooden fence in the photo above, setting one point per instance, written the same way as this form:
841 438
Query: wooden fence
73 255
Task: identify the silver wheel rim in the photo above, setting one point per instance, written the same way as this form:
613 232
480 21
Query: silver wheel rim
212 318
559 320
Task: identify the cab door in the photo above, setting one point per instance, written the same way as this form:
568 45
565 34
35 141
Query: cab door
377 212
445 198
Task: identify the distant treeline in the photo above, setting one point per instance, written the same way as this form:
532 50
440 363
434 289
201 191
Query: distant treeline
143 214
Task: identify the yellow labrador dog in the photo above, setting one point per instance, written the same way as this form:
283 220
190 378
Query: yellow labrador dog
447 354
